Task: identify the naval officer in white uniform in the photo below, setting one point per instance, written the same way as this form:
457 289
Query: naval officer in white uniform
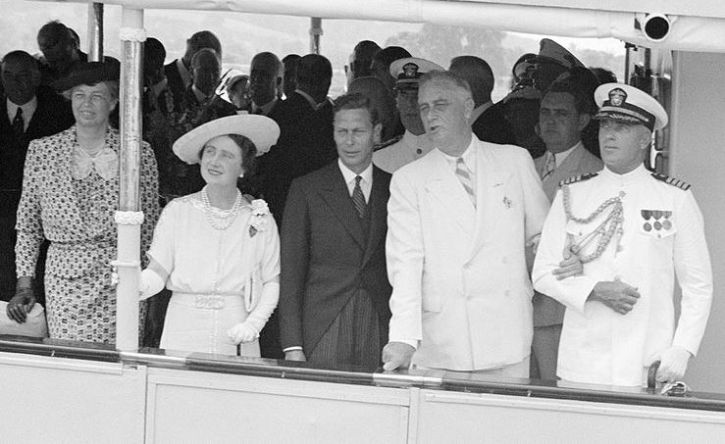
634 232
414 143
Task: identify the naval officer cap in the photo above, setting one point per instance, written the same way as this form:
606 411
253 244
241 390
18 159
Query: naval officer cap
552 52
625 103
408 71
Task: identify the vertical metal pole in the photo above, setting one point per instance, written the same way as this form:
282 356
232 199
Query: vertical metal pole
95 32
628 47
315 33
129 217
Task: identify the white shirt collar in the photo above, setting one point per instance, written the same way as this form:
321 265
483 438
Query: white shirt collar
627 178
366 184
469 157
28 110
349 175
560 157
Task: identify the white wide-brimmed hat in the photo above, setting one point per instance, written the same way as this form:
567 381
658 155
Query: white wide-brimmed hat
261 130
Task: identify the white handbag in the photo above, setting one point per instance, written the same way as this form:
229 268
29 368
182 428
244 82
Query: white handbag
35 324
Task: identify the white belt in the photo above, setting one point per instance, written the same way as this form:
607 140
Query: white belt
208 301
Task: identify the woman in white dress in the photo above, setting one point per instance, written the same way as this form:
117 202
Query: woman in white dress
216 250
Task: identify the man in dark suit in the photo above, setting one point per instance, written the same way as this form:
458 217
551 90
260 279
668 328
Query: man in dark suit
305 144
178 72
27 112
334 289
488 121
265 82
305 141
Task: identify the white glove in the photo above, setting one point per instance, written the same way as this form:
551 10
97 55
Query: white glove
242 333
673 363
149 284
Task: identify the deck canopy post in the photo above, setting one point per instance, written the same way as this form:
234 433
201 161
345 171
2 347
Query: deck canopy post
95 32
129 217
315 34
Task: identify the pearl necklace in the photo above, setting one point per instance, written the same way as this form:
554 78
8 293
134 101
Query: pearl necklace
220 219
603 234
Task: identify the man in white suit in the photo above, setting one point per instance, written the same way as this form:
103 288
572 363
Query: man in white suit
459 220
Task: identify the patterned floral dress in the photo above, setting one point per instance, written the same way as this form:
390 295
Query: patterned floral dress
71 202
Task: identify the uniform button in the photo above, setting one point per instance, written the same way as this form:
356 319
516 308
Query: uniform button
419 151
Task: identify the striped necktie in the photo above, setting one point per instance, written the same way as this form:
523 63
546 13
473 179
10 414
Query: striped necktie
549 165
358 198
464 175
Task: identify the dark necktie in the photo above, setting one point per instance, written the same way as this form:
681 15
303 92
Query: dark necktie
358 198
19 123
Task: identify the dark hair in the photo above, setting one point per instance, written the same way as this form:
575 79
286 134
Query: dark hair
154 52
248 150
313 69
390 54
57 32
580 83
291 58
205 39
203 52
19 56
356 101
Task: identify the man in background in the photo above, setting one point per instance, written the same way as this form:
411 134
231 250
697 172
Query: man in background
414 143
28 111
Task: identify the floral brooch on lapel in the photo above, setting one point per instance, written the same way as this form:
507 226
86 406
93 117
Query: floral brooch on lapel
259 219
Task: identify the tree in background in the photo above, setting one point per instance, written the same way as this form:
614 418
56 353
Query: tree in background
441 43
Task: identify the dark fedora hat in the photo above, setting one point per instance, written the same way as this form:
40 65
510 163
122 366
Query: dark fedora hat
89 73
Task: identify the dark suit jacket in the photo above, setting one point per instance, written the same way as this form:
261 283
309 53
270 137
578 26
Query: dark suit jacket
305 144
325 258
175 82
492 126
53 115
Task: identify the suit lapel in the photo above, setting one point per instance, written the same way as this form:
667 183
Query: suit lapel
334 192
447 190
377 206
490 183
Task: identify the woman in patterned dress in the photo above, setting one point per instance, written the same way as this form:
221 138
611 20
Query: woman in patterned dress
70 194
217 250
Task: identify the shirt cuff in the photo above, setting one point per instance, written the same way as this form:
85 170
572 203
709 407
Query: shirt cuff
412 342
295 348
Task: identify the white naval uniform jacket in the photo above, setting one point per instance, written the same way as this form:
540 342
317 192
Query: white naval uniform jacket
409 148
597 344
459 275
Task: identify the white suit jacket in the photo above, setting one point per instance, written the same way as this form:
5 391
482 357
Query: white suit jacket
459 275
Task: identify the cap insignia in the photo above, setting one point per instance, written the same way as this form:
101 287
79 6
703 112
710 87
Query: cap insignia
617 97
410 70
